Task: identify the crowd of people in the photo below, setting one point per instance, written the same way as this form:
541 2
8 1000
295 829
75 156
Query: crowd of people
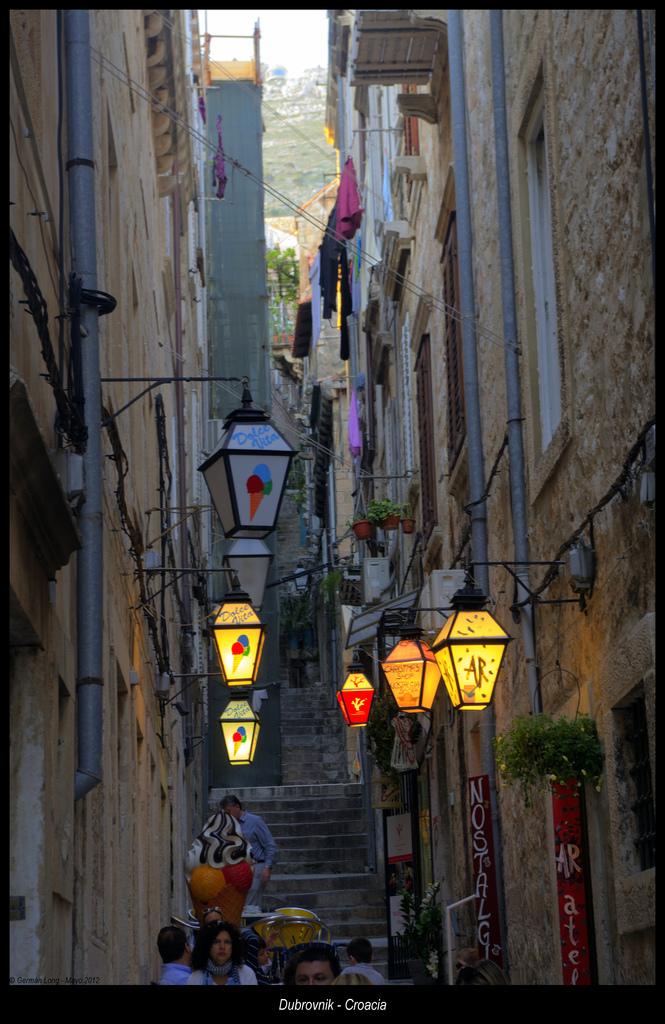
219 953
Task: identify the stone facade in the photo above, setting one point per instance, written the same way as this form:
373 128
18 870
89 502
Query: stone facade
94 880
579 73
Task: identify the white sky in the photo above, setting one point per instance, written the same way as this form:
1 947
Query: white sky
296 39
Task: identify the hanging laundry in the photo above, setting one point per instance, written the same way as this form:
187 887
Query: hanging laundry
315 281
219 170
202 108
355 437
329 262
347 307
302 335
387 197
349 210
356 297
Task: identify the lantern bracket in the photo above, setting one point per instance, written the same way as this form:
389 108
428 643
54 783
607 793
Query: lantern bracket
533 597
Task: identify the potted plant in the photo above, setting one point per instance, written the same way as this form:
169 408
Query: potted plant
384 513
362 527
538 751
422 921
381 734
408 521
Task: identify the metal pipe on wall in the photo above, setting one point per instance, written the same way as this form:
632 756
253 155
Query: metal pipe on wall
89 576
513 398
474 438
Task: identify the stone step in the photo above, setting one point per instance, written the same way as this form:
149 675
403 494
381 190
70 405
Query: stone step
300 791
283 809
321 842
330 899
314 823
310 864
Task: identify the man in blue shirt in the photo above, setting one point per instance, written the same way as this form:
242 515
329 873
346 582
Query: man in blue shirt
176 957
264 849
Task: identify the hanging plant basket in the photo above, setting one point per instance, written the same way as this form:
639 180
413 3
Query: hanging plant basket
408 525
363 529
538 751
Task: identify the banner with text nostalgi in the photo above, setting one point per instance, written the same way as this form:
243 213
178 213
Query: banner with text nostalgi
488 930
576 961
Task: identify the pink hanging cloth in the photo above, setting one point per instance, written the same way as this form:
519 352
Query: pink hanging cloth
355 437
349 210
219 172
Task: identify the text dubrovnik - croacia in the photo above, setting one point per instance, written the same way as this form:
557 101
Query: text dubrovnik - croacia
332 1004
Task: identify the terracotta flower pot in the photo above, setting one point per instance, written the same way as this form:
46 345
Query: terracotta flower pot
408 525
391 523
363 529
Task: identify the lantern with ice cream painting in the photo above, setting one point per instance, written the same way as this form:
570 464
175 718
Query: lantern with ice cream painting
239 637
246 474
218 868
240 728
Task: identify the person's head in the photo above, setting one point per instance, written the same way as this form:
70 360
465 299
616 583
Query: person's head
219 942
485 972
172 945
211 915
263 954
359 951
318 964
467 957
231 805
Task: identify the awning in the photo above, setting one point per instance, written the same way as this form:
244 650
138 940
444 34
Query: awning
389 48
364 626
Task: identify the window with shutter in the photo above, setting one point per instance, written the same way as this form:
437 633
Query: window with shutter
453 344
426 436
411 140
406 395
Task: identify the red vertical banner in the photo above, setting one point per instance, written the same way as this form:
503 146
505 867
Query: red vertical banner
571 884
488 933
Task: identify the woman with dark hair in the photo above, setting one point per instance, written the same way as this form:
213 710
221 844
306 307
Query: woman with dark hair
217 957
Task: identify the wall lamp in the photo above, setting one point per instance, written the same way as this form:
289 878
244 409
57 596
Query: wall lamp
156 382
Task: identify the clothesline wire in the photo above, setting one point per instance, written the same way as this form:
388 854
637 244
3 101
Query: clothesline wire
370 260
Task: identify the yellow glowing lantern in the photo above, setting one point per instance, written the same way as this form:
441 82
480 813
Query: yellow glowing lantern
469 650
240 728
239 637
412 673
355 697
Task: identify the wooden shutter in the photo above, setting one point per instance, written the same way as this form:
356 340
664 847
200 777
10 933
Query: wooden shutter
453 344
411 140
426 436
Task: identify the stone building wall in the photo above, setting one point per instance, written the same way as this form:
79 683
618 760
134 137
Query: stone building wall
100 876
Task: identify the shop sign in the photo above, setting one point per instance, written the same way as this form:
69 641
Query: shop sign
572 894
488 931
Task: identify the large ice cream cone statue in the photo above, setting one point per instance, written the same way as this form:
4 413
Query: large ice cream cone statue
218 868
259 484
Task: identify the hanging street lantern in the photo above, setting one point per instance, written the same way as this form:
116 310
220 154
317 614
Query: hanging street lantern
355 697
412 673
240 728
469 650
246 474
250 560
239 638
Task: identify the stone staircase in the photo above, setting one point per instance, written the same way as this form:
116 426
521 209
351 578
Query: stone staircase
319 823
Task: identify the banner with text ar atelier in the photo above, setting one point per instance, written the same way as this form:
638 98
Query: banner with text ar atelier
488 931
576 962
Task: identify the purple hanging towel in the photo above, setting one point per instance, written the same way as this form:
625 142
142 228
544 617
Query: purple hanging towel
202 108
219 171
355 437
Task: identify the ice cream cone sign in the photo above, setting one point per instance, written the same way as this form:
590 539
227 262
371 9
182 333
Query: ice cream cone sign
259 485
239 650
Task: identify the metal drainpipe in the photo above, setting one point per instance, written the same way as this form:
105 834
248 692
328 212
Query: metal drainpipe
180 430
474 438
513 399
89 577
